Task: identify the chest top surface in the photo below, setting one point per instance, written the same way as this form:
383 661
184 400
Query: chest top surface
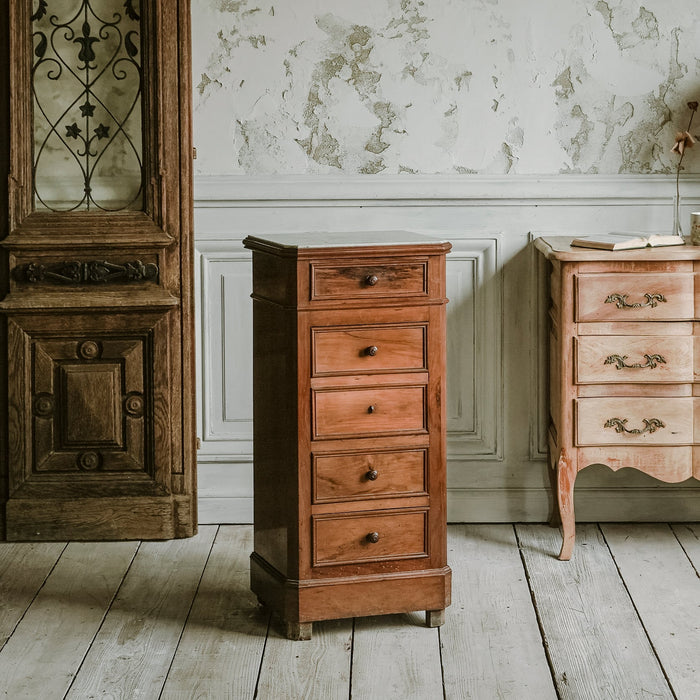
337 242
560 248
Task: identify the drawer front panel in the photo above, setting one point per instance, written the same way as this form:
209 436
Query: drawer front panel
635 297
634 421
369 537
368 281
347 477
371 411
368 349
633 359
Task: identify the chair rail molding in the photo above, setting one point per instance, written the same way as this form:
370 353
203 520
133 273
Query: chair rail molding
552 190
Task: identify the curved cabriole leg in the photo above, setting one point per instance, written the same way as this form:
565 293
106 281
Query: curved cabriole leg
566 476
435 618
555 516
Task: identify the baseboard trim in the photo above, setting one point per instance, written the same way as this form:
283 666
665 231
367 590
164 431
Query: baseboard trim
227 510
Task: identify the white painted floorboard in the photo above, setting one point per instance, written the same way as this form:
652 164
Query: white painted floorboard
492 646
597 644
665 589
177 621
224 639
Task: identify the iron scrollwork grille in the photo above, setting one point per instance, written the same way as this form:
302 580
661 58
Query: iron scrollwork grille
87 88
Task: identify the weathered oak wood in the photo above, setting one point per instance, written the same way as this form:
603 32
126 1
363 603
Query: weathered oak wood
23 570
48 646
396 657
97 366
666 592
221 649
133 651
596 643
491 644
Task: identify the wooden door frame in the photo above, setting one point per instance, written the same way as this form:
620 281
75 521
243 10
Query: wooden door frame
4 221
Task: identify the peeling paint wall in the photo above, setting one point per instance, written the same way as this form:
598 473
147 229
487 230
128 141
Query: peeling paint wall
443 86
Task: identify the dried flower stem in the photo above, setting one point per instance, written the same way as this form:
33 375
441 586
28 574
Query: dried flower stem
693 106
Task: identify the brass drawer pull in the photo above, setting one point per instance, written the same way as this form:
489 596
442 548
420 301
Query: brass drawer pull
372 350
620 300
371 280
652 361
373 537
372 475
651 425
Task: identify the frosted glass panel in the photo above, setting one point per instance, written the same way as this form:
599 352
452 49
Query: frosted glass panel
86 79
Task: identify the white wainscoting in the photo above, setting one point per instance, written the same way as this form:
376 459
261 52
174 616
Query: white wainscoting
496 325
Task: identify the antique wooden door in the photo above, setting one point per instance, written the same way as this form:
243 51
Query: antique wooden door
96 383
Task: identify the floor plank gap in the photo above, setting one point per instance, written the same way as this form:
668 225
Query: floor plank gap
598 647
25 568
641 620
684 534
545 646
189 612
262 656
664 587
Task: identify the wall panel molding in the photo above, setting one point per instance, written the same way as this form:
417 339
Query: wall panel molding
539 321
474 350
225 324
497 319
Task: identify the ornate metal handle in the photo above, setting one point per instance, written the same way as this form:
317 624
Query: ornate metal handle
651 425
371 409
371 280
372 475
652 361
372 350
620 300
373 537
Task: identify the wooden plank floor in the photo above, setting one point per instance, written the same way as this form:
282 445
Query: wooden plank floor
175 620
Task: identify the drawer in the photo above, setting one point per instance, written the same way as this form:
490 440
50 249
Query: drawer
349 539
368 349
634 421
634 359
354 476
635 296
368 411
352 281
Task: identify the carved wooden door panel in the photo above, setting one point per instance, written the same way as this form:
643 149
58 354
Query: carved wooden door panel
97 382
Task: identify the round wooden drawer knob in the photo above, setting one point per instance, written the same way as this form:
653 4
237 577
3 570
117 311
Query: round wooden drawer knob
372 350
371 280
372 475
373 537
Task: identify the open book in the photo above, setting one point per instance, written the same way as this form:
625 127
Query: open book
626 241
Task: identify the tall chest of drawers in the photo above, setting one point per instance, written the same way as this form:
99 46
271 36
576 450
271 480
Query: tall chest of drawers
349 426
624 356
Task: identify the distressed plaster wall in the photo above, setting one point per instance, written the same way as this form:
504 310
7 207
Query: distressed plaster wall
443 86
